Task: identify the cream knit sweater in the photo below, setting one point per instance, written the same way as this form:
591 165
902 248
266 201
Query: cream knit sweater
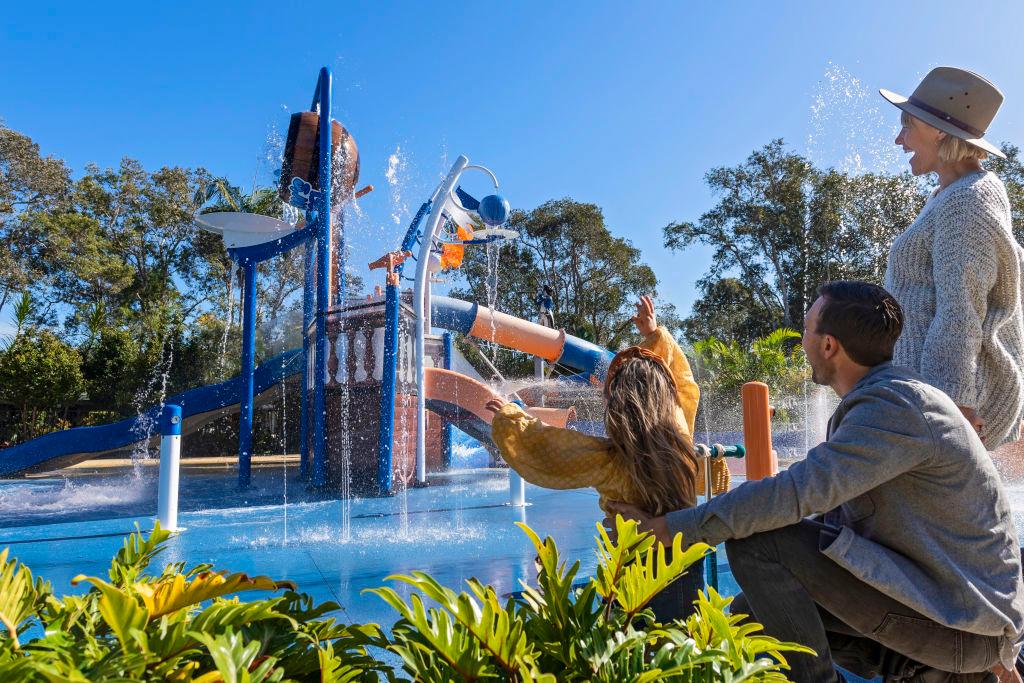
956 272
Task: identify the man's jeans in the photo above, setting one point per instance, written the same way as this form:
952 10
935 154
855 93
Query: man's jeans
676 601
802 596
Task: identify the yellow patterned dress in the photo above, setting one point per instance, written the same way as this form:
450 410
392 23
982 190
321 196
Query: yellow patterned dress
566 459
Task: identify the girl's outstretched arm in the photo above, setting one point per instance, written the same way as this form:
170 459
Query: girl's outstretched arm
658 340
548 456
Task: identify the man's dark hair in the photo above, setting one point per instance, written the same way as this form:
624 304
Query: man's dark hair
864 318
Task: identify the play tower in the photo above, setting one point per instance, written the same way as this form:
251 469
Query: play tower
382 383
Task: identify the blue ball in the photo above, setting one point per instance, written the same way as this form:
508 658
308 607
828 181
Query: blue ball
494 210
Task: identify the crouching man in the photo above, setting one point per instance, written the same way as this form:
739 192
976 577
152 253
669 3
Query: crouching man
910 566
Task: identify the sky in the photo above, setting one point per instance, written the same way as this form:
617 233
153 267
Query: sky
625 105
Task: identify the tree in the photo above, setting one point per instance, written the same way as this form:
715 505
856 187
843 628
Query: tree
1011 171
596 277
781 228
29 184
41 376
145 220
758 227
722 368
111 369
726 309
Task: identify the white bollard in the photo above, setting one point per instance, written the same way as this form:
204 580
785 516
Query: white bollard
170 462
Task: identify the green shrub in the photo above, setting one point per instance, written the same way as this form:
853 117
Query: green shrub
180 625
174 626
40 374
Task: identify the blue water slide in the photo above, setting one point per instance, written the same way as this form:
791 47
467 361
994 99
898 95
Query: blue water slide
199 406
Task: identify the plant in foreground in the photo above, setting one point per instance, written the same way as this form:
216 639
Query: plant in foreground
175 626
602 631
181 625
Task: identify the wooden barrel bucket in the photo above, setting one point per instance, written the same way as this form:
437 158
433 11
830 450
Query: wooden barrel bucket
302 157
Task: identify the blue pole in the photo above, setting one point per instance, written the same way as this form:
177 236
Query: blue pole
248 364
307 320
448 436
323 284
386 427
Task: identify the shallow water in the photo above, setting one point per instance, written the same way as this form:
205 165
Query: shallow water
459 527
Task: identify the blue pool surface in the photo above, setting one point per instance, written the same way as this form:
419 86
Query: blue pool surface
458 527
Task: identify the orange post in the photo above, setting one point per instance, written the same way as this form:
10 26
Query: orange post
761 460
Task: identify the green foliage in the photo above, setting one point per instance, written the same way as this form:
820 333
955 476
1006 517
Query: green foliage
776 359
111 367
599 632
184 626
40 375
178 625
596 277
29 183
727 310
780 229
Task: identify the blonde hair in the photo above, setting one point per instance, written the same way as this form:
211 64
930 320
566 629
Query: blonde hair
647 443
951 148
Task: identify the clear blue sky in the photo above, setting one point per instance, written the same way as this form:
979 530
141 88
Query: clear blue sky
626 105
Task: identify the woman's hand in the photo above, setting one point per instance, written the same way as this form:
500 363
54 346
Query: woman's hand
495 404
975 421
645 319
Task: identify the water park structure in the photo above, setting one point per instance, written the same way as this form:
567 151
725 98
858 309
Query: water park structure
356 354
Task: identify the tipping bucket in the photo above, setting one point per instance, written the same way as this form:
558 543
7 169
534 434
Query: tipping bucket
302 157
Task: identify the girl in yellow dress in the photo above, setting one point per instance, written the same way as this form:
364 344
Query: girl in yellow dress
648 457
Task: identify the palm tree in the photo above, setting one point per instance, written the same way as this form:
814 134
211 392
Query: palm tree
775 359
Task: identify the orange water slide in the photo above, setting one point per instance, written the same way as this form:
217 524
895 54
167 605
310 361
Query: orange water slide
461 400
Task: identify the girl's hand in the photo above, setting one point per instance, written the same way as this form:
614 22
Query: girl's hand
495 404
645 319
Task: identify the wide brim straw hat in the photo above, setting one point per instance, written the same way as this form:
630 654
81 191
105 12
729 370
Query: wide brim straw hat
956 101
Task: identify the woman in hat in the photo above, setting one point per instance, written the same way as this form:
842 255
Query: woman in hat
956 270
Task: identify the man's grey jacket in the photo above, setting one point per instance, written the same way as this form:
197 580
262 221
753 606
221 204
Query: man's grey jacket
923 512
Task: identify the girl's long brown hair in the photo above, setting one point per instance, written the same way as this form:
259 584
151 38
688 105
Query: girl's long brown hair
640 421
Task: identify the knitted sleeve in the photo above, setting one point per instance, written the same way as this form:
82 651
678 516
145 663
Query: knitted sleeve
687 391
964 267
548 456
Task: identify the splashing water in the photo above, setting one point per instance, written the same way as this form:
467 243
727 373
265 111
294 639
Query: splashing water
229 306
147 421
852 127
395 175
493 251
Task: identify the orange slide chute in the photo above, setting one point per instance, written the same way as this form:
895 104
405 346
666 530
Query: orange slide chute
461 399
516 333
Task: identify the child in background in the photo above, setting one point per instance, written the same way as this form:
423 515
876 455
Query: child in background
647 459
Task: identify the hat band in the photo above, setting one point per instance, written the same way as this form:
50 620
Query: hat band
966 127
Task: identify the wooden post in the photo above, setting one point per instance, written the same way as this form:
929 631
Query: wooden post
761 461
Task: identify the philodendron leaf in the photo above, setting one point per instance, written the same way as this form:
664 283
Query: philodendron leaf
135 555
175 592
334 669
498 631
652 571
236 660
18 595
614 556
119 609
